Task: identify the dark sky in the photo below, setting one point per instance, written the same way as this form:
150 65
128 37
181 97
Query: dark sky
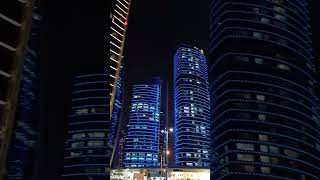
155 29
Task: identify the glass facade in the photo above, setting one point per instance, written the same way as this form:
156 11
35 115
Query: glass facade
22 149
142 141
87 146
191 96
265 113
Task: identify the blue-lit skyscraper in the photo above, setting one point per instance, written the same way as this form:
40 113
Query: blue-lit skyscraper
265 110
87 147
191 95
142 142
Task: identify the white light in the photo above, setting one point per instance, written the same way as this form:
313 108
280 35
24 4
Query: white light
162 131
171 129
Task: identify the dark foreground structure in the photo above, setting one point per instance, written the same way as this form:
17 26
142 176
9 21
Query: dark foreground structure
87 147
265 112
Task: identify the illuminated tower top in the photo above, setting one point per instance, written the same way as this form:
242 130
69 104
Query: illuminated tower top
119 23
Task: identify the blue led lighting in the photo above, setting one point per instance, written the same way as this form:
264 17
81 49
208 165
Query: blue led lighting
191 95
142 142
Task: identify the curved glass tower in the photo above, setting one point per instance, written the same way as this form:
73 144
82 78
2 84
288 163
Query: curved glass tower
142 142
191 93
87 147
265 113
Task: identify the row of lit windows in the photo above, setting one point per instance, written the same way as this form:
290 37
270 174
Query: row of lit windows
92 110
89 143
89 134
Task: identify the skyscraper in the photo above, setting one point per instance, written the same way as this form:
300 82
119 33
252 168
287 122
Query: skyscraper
191 96
142 143
22 148
119 23
87 147
15 20
265 113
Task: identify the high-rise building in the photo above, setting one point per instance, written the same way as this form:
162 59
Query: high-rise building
22 148
15 20
120 150
191 96
119 23
142 143
87 147
265 114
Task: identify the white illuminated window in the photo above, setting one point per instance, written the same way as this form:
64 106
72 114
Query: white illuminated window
78 135
95 143
77 144
96 134
265 159
243 146
245 157
283 67
261 97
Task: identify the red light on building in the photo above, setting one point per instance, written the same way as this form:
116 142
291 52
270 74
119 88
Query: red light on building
126 23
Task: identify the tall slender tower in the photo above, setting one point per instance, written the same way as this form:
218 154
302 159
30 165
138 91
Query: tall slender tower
142 143
119 23
22 148
265 113
15 20
87 147
191 96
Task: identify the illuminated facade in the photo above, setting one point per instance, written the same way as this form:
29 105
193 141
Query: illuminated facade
191 93
265 113
119 23
15 20
142 143
87 147
21 154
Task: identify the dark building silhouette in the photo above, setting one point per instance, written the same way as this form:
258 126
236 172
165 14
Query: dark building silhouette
191 96
87 146
22 149
15 21
265 113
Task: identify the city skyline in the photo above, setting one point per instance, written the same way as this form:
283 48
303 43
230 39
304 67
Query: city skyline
248 70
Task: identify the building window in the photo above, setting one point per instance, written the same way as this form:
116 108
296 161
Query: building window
262 117
283 67
291 153
280 17
243 146
81 111
77 144
265 159
72 154
247 168
241 59
95 143
279 9
274 150
245 157
258 60
260 97
265 20
78 135
263 137
275 160
96 134
257 35
265 170
263 148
